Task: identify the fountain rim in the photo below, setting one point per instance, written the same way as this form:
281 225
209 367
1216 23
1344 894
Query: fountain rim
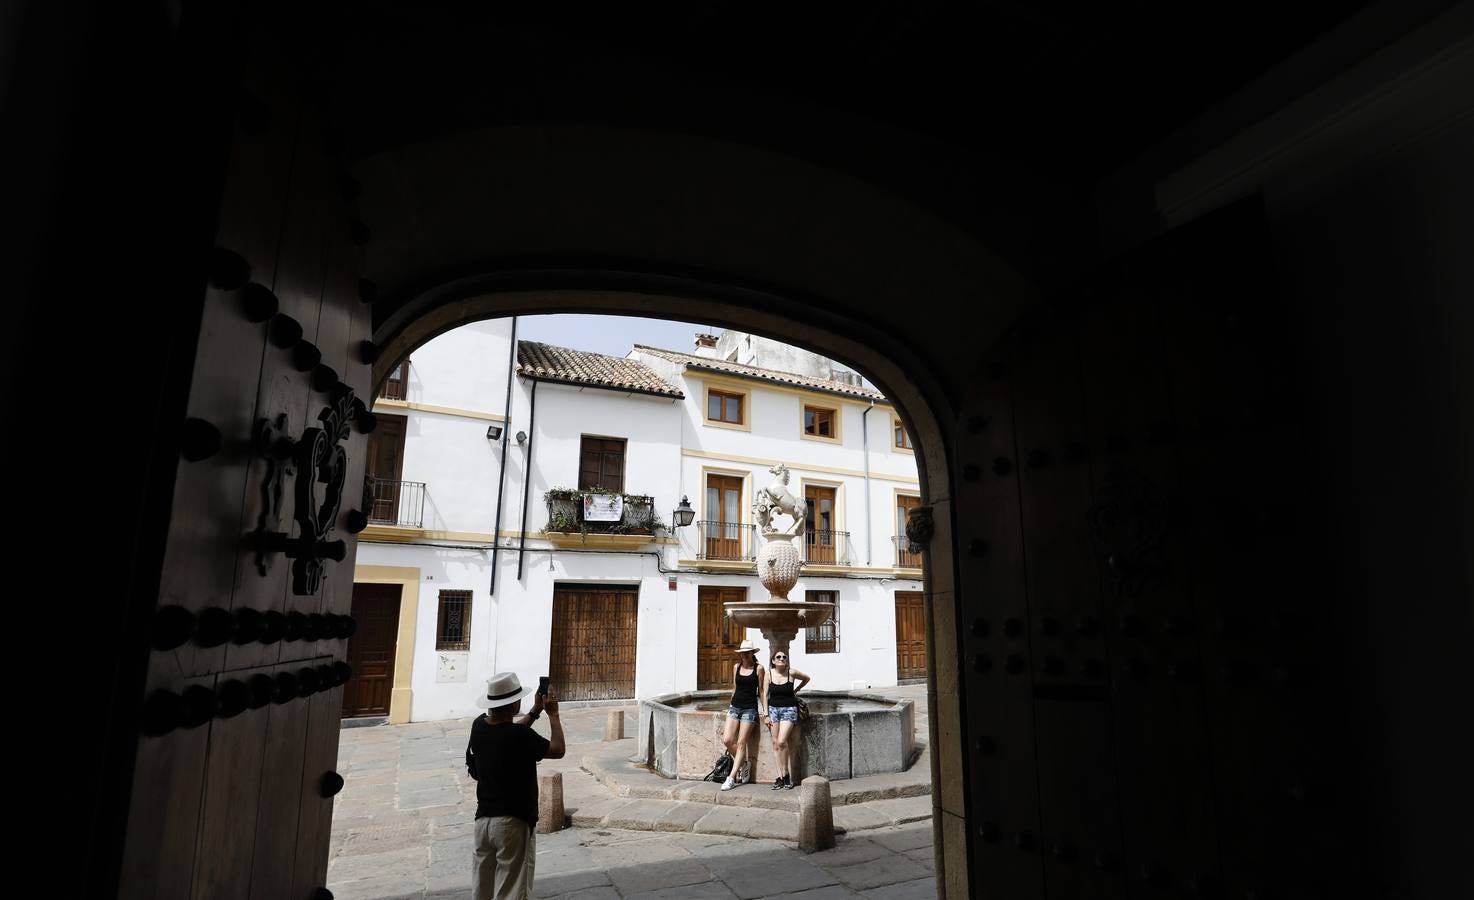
886 704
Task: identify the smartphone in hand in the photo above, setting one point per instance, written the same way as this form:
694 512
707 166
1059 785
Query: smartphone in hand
542 685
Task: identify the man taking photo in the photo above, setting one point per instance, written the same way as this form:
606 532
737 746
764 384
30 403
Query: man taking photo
502 756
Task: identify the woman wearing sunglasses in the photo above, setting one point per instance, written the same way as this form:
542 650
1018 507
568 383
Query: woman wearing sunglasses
784 684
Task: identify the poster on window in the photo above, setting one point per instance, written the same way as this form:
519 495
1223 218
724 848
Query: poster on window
603 507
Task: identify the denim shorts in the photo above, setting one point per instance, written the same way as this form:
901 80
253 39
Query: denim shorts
783 714
742 715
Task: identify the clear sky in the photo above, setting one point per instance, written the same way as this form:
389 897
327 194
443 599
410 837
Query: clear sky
610 335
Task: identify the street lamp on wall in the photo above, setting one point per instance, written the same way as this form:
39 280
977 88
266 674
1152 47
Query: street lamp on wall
493 432
683 514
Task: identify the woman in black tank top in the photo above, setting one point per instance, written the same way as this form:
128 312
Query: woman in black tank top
749 689
783 687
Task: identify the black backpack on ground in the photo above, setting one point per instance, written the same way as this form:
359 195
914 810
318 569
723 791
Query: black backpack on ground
721 770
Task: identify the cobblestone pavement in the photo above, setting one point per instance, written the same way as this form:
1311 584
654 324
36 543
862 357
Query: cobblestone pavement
402 828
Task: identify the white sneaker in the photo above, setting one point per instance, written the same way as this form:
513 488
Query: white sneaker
728 784
744 775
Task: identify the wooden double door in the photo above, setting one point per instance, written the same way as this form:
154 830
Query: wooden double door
716 636
910 636
593 642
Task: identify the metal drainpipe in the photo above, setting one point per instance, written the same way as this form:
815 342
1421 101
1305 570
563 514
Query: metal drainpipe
865 436
527 482
501 475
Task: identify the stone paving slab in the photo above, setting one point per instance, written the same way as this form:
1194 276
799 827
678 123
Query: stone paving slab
877 872
903 809
612 769
700 842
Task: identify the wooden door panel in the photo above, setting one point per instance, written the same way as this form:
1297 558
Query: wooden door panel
593 642
716 637
371 649
910 635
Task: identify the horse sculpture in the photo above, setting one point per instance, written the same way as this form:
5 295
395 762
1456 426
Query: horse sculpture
775 499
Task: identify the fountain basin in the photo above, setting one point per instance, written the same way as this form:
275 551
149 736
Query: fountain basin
848 735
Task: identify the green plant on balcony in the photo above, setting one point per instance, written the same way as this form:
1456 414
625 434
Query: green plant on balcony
565 513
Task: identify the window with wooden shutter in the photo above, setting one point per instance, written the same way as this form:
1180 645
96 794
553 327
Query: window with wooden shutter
819 421
724 407
453 624
601 464
823 638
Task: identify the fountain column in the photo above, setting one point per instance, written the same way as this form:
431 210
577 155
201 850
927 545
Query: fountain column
778 563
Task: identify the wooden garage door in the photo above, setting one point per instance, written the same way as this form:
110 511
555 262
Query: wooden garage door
717 637
910 636
593 643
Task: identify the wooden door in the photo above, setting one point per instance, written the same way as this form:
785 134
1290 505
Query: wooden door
724 517
910 636
819 533
716 636
237 736
905 558
593 642
371 649
386 465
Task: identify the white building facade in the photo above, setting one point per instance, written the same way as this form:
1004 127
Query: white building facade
482 554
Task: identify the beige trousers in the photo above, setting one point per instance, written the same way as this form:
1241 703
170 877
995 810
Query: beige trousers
503 859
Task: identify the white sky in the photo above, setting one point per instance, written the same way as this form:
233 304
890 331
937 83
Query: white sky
610 335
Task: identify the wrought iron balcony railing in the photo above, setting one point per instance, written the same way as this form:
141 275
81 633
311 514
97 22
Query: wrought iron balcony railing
725 540
398 503
565 515
827 548
905 558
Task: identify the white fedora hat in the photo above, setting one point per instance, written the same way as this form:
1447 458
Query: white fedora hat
747 646
503 688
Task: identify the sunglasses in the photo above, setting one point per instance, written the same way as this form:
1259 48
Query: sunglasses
778 657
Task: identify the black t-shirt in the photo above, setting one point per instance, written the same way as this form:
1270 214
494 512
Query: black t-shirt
503 757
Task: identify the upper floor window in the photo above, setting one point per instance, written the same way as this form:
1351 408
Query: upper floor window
724 407
902 438
396 386
453 624
821 421
601 464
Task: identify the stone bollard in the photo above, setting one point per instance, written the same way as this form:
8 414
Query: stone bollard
815 815
550 813
614 725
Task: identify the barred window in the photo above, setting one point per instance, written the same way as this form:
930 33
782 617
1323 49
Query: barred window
453 628
823 638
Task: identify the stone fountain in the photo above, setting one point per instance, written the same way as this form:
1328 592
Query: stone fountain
778 563
848 735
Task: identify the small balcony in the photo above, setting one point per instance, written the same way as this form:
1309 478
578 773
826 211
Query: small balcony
905 557
400 503
566 514
725 541
827 548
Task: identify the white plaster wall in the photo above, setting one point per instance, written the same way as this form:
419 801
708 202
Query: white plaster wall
458 466
651 427
465 368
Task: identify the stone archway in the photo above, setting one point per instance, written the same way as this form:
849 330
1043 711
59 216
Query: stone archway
474 299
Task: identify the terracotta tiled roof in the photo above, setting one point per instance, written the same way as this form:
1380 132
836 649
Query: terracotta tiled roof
549 363
828 385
